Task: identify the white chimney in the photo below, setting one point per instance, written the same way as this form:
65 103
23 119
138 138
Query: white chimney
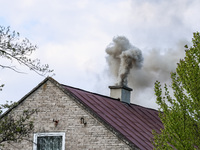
121 92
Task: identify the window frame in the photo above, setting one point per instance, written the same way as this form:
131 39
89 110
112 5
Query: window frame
36 135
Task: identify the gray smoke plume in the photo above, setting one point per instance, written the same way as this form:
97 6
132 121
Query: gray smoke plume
122 57
157 65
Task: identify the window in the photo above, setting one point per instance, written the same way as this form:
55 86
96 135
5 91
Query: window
49 141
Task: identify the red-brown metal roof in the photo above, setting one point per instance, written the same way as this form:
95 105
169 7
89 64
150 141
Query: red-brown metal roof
132 121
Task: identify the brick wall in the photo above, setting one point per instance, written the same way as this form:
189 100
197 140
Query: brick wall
53 103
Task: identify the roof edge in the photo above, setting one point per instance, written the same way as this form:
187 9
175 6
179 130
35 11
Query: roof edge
78 101
89 92
100 119
107 96
28 94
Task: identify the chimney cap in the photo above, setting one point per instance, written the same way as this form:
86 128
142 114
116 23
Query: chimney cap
120 87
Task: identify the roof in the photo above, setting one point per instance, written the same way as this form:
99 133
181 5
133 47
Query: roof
130 122
134 122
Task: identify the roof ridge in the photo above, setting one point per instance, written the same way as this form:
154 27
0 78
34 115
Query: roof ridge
144 107
26 95
123 119
86 99
89 92
107 97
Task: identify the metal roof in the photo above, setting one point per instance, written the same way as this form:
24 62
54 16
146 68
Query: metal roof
132 121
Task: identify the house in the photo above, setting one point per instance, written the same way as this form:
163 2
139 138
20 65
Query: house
74 119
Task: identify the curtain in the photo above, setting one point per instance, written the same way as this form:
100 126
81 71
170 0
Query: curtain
49 143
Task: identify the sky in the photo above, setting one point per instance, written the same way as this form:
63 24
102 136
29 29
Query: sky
72 37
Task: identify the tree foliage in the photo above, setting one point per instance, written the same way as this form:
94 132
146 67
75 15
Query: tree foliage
180 113
15 128
16 49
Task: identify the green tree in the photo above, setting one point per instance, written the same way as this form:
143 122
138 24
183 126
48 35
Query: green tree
15 128
180 113
17 50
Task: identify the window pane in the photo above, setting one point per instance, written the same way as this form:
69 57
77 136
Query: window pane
49 143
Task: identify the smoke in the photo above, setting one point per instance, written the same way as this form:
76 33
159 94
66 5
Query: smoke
122 57
157 65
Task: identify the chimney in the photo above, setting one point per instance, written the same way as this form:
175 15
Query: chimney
121 92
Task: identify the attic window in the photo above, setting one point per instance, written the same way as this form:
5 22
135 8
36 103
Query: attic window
49 141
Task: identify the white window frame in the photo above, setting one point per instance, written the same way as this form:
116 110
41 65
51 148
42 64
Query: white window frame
36 135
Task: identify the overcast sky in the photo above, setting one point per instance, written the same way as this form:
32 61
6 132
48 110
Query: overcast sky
72 37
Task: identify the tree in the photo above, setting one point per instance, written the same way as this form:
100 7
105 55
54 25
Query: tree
180 113
15 128
15 49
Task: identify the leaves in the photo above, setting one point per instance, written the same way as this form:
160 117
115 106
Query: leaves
13 48
1 86
14 127
181 115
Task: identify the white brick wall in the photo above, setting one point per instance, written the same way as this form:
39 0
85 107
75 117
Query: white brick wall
53 103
